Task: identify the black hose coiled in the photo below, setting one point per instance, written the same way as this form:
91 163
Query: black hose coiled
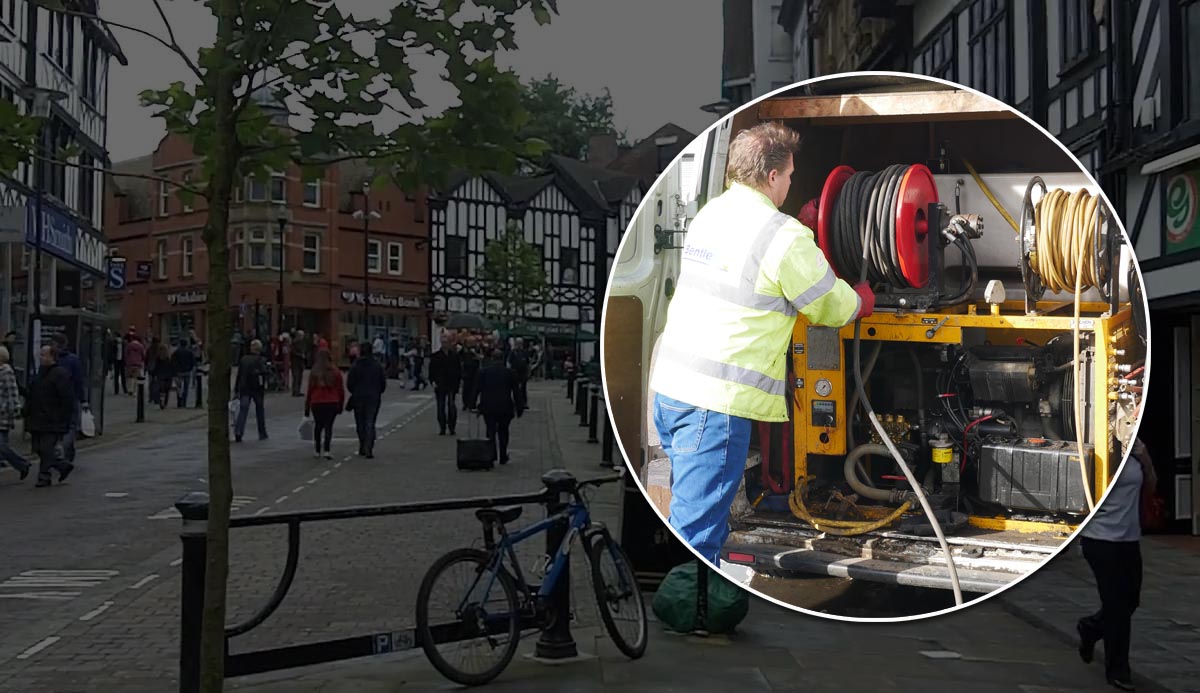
865 214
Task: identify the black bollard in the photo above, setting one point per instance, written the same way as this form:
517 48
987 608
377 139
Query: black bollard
584 400
609 439
194 536
199 390
571 387
556 641
594 415
141 400
580 404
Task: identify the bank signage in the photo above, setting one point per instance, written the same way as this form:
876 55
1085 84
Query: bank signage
382 300
116 273
62 238
187 298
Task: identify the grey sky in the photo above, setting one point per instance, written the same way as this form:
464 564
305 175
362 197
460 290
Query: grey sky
660 61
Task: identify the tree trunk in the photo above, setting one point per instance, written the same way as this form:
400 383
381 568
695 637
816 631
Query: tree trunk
220 332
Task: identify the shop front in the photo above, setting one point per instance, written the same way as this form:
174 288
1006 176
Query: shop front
393 315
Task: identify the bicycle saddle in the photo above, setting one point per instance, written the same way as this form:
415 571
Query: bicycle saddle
557 480
502 515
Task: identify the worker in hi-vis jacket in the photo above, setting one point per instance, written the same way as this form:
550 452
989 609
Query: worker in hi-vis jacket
748 270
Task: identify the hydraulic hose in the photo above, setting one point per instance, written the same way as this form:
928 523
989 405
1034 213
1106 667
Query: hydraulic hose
840 528
849 469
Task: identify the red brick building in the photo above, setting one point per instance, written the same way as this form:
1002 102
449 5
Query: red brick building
160 237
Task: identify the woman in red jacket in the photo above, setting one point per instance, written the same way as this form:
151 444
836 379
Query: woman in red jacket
326 397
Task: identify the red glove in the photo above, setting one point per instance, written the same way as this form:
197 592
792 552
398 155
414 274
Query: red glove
868 299
808 214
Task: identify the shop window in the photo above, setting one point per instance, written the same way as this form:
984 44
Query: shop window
312 252
395 254
312 193
456 256
374 249
186 251
161 256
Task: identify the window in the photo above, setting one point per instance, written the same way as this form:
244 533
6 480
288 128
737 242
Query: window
187 180
278 189
161 256
312 252
374 248
988 47
60 42
456 256
90 79
256 190
257 248
569 266
164 198
312 193
87 188
186 248
1191 66
8 13
239 249
60 138
1077 35
395 258
937 56
278 255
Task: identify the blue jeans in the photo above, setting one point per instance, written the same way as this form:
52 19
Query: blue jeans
260 415
708 458
12 457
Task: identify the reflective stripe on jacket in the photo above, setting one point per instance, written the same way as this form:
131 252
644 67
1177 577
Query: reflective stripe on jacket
748 270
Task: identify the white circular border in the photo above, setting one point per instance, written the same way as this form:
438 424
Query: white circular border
1120 225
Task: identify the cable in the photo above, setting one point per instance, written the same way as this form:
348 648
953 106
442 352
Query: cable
840 528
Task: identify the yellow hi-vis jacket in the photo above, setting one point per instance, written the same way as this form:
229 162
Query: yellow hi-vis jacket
748 269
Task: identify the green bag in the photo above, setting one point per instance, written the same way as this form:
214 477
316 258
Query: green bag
675 601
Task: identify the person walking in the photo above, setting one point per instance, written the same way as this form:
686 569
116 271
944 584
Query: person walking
302 359
367 383
251 387
163 374
1111 544
135 361
116 349
74 367
499 395
518 361
10 409
469 364
50 409
183 363
445 372
417 357
325 399
747 270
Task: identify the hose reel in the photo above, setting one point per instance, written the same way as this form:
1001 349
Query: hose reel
1060 234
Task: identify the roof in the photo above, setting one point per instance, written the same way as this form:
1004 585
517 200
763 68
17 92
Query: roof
642 160
595 191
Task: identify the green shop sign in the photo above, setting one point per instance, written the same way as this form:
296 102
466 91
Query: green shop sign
1182 207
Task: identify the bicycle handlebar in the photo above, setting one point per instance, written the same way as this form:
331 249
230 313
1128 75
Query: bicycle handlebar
597 481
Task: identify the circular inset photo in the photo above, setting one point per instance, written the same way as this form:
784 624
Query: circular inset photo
875 346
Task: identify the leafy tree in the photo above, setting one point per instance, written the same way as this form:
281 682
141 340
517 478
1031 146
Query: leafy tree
18 135
347 85
565 119
514 273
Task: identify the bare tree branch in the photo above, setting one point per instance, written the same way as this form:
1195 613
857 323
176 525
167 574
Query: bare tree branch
171 34
123 174
173 47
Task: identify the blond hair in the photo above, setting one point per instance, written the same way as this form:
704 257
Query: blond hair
757 151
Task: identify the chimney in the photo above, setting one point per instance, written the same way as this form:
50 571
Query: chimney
602 150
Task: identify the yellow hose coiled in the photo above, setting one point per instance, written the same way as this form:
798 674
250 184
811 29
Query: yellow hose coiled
841 528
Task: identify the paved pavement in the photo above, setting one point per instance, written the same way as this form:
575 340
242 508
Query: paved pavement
108 619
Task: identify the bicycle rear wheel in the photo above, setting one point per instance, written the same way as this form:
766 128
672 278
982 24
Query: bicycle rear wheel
618 596
468 623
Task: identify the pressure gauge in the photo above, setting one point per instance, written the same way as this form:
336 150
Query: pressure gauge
824 388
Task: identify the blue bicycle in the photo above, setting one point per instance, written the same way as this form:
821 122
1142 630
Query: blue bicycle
485 602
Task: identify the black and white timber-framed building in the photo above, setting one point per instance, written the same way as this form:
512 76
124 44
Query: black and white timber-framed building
1117 81
574 215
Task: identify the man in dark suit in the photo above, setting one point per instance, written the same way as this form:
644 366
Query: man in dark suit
499 393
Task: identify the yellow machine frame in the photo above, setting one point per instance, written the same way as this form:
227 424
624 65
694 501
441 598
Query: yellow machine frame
1004 324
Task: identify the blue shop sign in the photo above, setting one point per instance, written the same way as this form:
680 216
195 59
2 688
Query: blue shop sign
62 238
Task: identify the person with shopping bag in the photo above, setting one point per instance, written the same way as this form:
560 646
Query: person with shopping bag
325 399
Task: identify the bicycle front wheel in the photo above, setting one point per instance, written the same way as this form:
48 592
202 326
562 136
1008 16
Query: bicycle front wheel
468 619
618 596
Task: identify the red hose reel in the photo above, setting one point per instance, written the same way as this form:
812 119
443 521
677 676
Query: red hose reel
917 192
